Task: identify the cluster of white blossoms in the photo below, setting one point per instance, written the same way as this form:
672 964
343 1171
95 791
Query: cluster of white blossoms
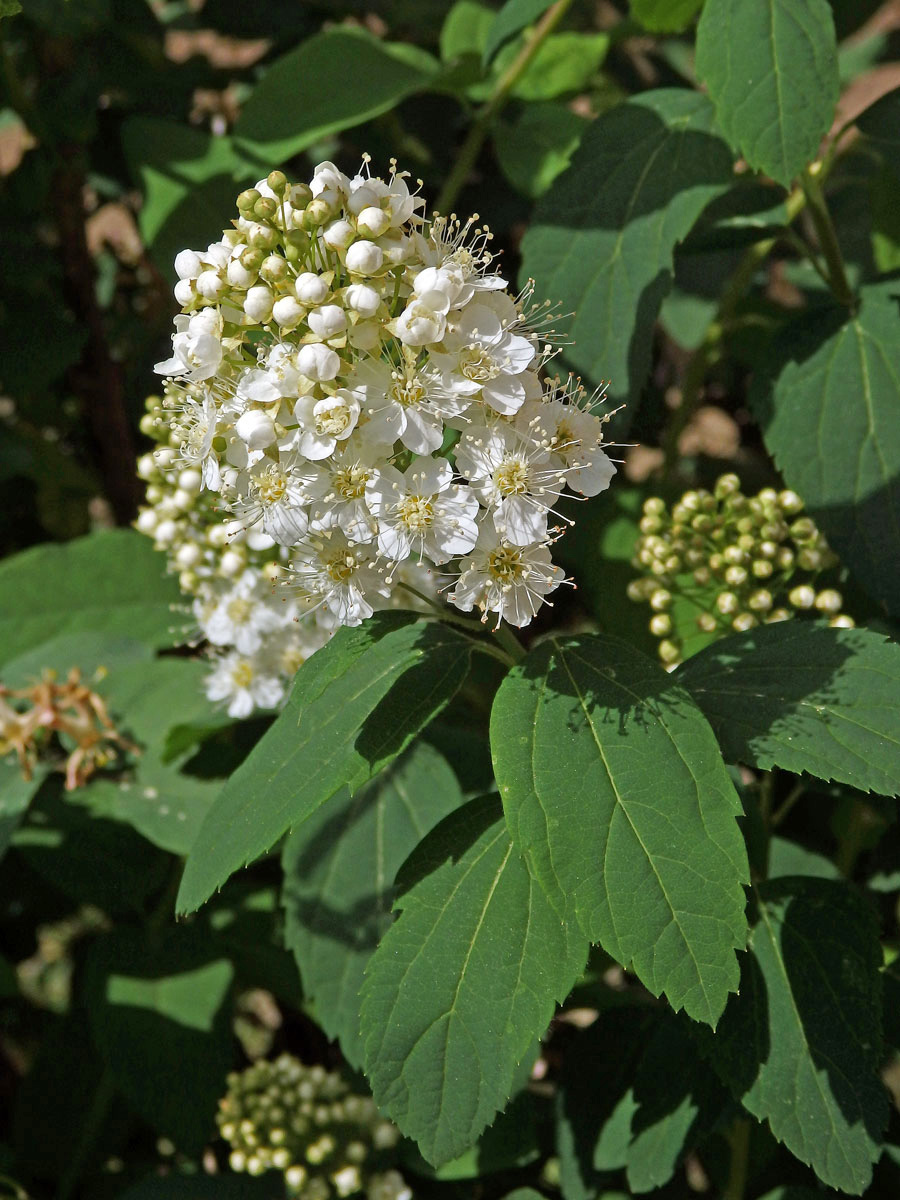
360 392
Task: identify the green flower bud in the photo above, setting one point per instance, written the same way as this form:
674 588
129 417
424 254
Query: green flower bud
809 559
654 506
660 600
802 597
702 522
273 269
736 576
707 622
669 653
761 568
661 625
734 555
778 614
784 557
650 524
803 529
790 502
277 181
300 195
716 563
246 200
727 485
265 209
702 576
744 621
761 600
842 621
829 600
727 603
767 497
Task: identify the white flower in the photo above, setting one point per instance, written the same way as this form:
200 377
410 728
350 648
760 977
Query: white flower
324 423
198 424
242 615
575 439
408 402
196 348
328 570
343 504
420 512
513 476
278 496
311 288
463 246
508 580
256 429
237 679
483 349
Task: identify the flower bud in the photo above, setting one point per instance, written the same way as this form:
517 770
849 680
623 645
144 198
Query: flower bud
661 625
328 321
829 601
660 600
265 209
258 304
256 429
184 292
310 288
277 181
373 222
287 312
707 623
761 600
362 299
669 652
735 576
809 559
318 362
338 235
147 521
727 603
744 621
789 502
364 258
316 213
246 200
761 568
802 597
726 485
842 621
654 506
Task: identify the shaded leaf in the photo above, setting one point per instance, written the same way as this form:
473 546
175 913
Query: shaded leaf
772 72
15 795
665 16
880 122
160 1018
465 29
804 697
787 858
801 1045
296 103
339 869
834 385
356 704
534 147
615 791
603 236
463 983
112 581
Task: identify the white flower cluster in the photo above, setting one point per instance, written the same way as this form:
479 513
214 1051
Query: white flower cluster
358 386
256 635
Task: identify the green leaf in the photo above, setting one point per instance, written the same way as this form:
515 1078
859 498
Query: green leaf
248 927
801 1045
584 732
463 983
339 869
834 386
536 146
804 697
157 798
9 8
510 21
665 16
511 1141
886 220
189 179
564 63
676 1100
603 236
356 705
787 858
15 795
772 72
465 29
330 82
160 1018
112 581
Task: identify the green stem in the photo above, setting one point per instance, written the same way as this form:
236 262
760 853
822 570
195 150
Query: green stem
787 804
90 1131
474 628
831 250
510 642
480 128
739 1138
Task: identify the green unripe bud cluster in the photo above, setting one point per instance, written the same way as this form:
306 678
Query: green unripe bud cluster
306 1123
740 560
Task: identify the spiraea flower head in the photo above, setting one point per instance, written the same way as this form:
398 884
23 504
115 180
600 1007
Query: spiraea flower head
732 562
306 1123
356 398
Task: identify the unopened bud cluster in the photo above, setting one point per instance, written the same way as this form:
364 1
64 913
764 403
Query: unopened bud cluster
738 560
257 634
357 387
306 1123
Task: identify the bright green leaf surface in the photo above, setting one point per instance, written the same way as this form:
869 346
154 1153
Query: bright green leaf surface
829 415
804 697
665 16
801 1045
355 706
339 869
771 69
615 791
787 858
159 800
160 1019
112 581
299 100
565 62
536 146
465 29
602 239
511 20
463 983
